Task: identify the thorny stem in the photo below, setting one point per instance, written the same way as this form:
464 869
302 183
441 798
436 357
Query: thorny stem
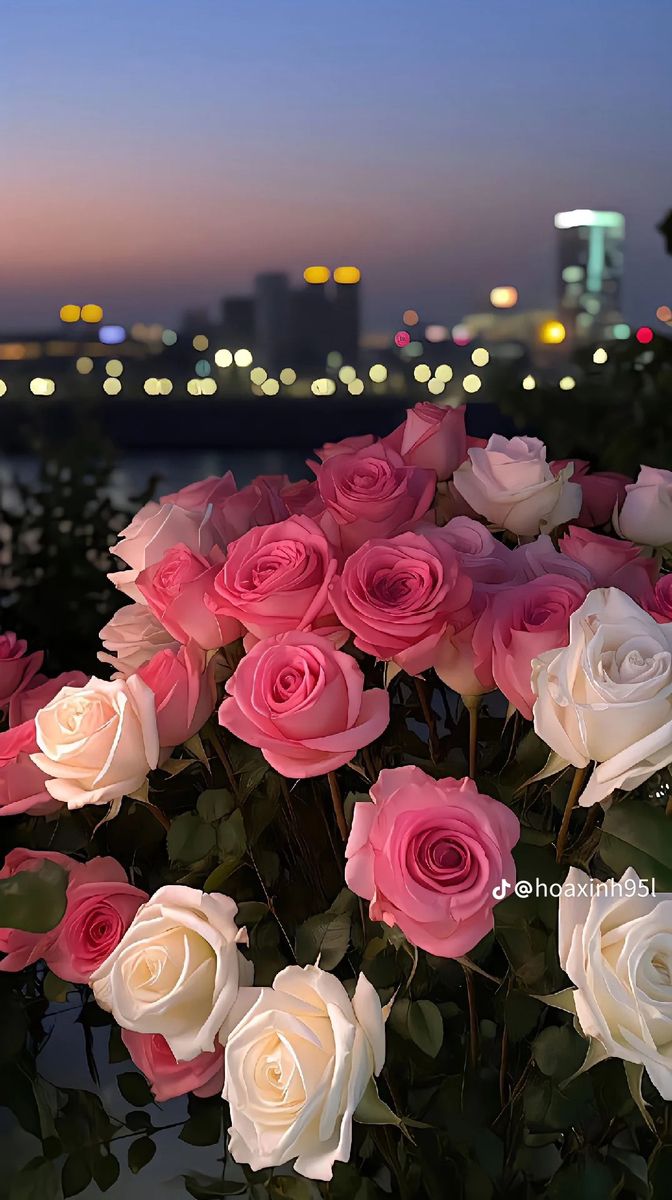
503 1066
577 783
473 1017
472 705
337 801
428 715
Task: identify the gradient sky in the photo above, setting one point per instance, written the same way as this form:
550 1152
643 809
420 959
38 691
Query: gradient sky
156 153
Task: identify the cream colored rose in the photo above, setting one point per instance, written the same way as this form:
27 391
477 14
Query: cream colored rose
646 512
97 742
133 636
296 1066
155 529
617 950
177 969
607 696
510 483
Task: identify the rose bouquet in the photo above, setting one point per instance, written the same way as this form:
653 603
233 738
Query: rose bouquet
365 843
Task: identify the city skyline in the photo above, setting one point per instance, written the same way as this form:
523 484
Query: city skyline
159 156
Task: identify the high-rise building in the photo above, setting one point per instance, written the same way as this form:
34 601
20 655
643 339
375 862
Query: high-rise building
272 319
590 251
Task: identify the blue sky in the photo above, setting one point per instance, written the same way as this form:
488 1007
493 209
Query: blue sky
156 154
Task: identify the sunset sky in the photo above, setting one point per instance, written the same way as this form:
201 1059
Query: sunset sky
157 153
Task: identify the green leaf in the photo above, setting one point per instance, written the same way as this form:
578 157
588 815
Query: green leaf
76 1174
558 1051
140 1152
231 840
134 1088
325 936
204 1127
33 901
204 1187
117 1051
214 804
190 839
56 989
371 1110
39 1179
250 912
419 1021
292 1187
637 835
105 1171
137 1120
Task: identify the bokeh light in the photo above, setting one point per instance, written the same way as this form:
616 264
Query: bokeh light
621 331
202 367
347 275
288 376
552 333
664 313
461 335
347 374
334 360
223 358
112 387
644 335
169 337
529 383
480 357
111 335
114 367
401 338
316 274
436 386
258 375
165 387
243 358
422 373
567 383
270 387
471 383
84 365
600 355
200 342
323 387
151 386
70 313
356 387
92 313
437 333
42 387
3 388
444 373
410 316
378 373
504 296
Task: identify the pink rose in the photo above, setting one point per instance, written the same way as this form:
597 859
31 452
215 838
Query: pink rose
610 561
131 637
488 562
432 437
260 503
659 601
372 494
427 854
348 445
101 905
601 490
21 948
185 692
540 557
16 667
175 590
303 499
22 784
197 496
276 579
510 483
398 596
455 662
520 623
25 705
156 529
303 704
646 512
203 1075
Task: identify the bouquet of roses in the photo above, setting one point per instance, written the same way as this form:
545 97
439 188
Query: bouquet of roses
375 795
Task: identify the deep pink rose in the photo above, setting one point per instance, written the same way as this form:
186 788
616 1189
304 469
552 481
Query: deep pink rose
399 596
427 854
153 531
22 948
540 557
601 491
131 637
519 624
175 590
25 704
303 499
101 904
213 490
488 562
276 578
646 513
260 503
372 494
611 561
22 784
348 445
433 437
302 702
659 600
16 667
184 689
203 1075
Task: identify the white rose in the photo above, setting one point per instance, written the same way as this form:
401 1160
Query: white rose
617 950
607 696
296 1066
509 482
133 636
155 529
177 969
646 512
97 742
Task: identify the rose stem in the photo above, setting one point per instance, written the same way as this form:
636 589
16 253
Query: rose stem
337 801
160 817
472 705
427 713
473 1017
503 1065
577 781
223 758
368 763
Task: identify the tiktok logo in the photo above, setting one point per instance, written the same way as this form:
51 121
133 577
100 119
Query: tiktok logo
499 893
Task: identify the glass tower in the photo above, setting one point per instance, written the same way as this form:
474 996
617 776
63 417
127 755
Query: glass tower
590 248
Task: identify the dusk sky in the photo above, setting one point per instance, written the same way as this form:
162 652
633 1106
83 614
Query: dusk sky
157 153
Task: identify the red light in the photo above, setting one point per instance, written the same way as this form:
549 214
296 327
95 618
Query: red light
644 335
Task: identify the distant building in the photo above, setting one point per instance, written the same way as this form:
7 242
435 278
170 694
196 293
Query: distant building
590 269
238 321
272 320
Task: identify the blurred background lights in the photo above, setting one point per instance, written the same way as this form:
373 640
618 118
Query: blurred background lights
347 275
573 274
202 367
664 313
461 335
243 358
480 357
288 376
347 374
422 373
444 373
152 386
552 333
401 338
529 383
413 349
600 356
3 388
270 387
165 387
410 317
356 387
378 373
208 387
42 387
504 297
567 383
316 274
92 313
223 358
437 333
621 331
644 335
112 387
114 367
258 375
169 337
323 387
471 383
111 335
70 313
84 365
200 342
334 360
436 386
